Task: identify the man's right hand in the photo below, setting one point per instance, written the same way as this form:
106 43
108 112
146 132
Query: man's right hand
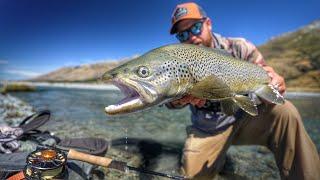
189 99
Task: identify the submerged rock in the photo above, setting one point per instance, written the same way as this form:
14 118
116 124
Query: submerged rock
242 162
249 162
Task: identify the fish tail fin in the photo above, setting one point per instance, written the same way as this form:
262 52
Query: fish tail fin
270 94
245 103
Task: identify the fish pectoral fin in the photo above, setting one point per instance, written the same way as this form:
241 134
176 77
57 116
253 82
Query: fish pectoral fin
270 94
210 87
245 103
229 107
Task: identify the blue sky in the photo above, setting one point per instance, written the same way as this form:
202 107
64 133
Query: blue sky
38 36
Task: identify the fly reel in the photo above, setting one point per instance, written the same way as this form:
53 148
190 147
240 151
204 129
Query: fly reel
46 163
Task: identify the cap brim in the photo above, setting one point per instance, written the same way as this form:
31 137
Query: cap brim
173 29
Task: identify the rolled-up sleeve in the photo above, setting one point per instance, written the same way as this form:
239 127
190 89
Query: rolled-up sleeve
243 49
169 105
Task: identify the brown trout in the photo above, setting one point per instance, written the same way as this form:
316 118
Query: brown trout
168 73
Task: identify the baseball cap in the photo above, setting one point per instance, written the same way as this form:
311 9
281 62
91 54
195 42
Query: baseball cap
186 11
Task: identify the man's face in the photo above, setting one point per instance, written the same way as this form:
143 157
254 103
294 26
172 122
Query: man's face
204 38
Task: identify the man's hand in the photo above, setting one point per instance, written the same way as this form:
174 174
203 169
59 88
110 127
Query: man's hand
189 99
276 80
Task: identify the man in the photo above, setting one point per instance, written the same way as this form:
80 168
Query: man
279 127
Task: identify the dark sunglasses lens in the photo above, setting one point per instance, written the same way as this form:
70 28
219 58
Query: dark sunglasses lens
183 36
196 28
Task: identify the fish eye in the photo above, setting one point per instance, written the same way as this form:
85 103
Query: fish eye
143 71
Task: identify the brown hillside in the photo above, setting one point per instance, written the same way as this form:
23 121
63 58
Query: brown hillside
296 56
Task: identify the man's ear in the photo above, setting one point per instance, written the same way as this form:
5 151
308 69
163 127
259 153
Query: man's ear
208 22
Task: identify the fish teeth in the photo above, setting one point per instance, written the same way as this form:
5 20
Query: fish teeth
110 108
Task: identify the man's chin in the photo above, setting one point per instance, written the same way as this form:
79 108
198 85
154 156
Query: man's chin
197 43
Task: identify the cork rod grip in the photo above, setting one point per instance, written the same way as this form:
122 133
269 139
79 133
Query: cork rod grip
97 160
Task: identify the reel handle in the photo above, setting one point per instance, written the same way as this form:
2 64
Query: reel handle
96 160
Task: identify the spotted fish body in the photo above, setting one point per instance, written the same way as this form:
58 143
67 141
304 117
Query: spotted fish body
169 72
190 63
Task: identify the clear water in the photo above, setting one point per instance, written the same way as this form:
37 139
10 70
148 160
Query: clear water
160 132
80 113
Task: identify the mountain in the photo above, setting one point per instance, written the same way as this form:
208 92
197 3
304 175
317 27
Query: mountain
81 73
296 56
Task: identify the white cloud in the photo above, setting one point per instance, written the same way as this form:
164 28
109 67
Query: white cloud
3 62
23 73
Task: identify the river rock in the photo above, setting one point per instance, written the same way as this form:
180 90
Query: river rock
249 162
13 110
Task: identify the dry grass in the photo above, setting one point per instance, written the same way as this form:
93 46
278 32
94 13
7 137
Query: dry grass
14 87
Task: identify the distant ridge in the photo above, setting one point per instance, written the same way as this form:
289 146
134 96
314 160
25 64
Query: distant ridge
294 55
80 73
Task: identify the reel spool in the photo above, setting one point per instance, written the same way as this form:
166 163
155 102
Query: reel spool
46 163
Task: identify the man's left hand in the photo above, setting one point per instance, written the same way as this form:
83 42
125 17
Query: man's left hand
276 80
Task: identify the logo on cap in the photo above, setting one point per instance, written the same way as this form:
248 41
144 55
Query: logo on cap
180 12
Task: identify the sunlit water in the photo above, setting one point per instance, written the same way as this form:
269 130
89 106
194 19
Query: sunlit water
80 113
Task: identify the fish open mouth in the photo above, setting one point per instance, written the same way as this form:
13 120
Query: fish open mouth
129 103
129 92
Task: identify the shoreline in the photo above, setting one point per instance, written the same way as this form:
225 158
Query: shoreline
95 86
236 154
69 85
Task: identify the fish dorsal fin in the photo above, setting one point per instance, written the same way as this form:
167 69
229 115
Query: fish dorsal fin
211 87
222 52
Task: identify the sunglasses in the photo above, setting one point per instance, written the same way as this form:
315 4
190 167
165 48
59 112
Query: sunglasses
195 29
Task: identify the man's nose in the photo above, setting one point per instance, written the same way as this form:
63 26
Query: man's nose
192 37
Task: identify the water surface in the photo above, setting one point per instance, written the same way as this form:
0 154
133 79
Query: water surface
80 113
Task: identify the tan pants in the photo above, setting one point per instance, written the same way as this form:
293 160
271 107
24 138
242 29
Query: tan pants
279 127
